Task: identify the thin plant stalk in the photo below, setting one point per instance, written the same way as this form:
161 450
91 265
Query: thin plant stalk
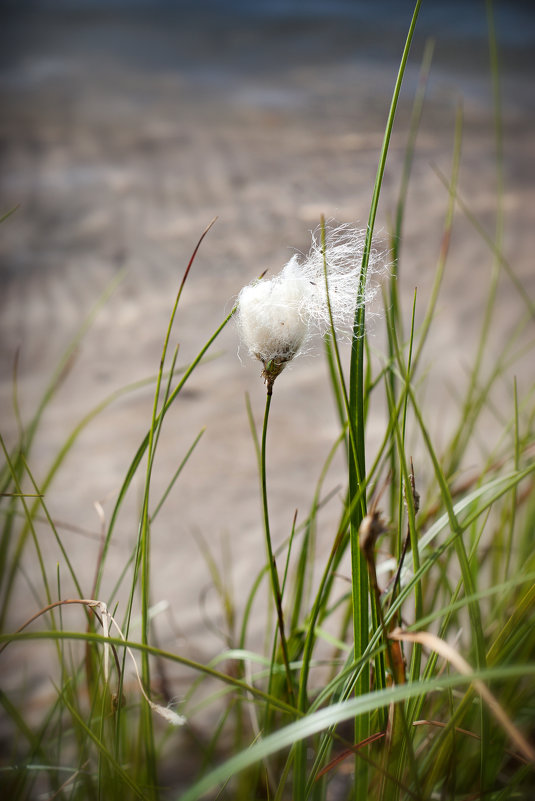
395 316
144 444
144 542
272 565
357 467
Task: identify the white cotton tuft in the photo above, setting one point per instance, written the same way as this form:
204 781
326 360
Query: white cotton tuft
168 714
277 317
272 314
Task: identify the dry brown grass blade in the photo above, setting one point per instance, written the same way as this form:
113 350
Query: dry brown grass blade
349 752
467 733
107 620
445 650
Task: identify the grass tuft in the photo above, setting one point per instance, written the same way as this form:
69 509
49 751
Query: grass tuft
399 666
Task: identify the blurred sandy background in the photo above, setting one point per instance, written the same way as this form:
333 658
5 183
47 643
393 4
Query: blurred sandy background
125 128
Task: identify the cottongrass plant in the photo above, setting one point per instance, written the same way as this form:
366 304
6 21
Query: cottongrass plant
415 680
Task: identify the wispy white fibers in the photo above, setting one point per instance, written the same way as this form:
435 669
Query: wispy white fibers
277 317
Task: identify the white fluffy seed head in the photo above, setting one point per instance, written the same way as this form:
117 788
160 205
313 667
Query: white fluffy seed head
277 317
272 314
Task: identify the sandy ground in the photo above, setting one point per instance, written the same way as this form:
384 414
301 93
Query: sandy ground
122 139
